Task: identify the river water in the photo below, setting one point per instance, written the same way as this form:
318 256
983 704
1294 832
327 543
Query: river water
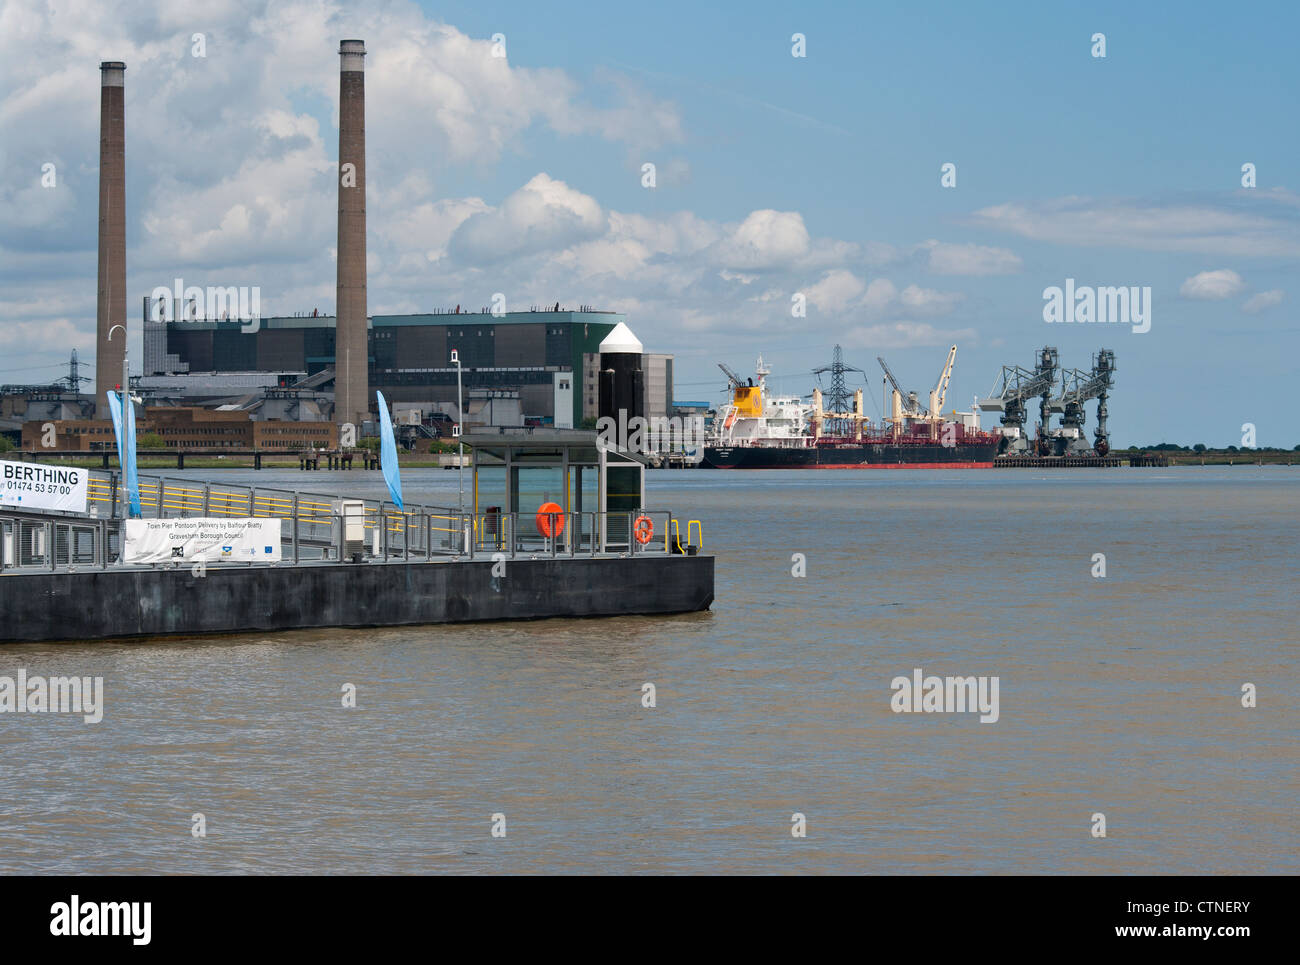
1119 696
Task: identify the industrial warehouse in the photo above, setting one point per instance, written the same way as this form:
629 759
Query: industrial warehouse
517 368
535 368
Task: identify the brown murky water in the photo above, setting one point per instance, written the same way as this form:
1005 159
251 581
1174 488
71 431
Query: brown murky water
1118 695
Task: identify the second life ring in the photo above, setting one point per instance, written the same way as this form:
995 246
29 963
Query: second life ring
548 513
644 530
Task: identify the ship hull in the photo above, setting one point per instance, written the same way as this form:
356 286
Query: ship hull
869 456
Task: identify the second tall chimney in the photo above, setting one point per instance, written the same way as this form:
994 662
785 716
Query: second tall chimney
110 305
351 349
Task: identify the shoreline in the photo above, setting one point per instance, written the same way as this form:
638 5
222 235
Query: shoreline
278 461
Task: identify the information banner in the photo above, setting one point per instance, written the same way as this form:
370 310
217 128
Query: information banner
202 538
27 485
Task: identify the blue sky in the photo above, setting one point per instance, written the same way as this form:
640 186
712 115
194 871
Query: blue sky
776 175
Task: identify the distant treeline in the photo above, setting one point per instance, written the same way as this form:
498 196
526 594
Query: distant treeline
1201 447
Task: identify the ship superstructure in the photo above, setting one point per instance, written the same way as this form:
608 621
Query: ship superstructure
753 417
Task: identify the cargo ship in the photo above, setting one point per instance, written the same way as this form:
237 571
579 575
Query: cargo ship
757 430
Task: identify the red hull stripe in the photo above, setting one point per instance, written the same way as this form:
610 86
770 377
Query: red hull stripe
910 465
879 465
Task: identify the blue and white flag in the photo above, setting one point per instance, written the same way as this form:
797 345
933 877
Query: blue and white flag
388 453
124 429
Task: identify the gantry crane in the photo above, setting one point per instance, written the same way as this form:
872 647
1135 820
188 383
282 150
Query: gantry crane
1014 387
1077 387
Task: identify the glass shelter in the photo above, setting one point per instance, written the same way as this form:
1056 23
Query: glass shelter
595 492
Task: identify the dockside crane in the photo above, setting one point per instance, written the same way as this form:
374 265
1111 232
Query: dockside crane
906 405
940 391
733 379
1077 387
903 405
1012 391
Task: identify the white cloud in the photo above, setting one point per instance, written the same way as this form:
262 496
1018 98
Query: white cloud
203 132
1248 223
880 294
927 301
1213 285
545 214
739 276
947 258
835 291
765 239
425 230
18 336
605 257
905 334
1263 301
882 297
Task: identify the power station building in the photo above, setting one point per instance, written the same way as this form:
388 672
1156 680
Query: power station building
535 367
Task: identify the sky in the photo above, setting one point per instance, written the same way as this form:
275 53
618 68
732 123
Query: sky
779 180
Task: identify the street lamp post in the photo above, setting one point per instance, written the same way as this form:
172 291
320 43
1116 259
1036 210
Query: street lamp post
460 429
126 372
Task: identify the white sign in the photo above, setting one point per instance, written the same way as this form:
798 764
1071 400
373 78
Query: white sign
202 538
31 486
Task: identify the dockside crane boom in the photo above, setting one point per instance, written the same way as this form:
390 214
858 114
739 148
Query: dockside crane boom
905 405
940 391
733 379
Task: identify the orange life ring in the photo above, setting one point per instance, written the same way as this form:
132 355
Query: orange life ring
545 513
644 530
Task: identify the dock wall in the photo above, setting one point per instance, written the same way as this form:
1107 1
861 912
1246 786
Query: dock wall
90 605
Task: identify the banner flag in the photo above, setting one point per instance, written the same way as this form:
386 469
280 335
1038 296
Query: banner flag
388 453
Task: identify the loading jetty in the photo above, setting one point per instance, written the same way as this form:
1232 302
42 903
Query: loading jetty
1136 461
205 558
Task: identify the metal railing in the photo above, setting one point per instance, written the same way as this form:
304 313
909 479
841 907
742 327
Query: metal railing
575 534
163 497
45 543
310 532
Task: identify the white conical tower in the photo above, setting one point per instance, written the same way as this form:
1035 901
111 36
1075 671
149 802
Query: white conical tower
621 341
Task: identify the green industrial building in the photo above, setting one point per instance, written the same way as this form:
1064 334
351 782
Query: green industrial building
540 363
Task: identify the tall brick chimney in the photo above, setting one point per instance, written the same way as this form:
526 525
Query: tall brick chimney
110 308
351 352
